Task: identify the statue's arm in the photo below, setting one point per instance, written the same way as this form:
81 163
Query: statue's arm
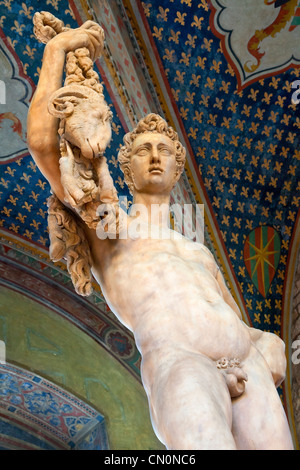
42 127
272 349
268 344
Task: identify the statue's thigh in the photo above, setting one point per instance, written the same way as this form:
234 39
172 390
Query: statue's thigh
191 407
259 420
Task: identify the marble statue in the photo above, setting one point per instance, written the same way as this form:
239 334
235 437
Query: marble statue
210 379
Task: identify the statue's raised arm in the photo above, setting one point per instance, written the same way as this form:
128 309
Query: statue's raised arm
68 131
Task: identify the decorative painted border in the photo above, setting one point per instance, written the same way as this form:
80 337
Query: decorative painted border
49 412
286 322
26 79
223 35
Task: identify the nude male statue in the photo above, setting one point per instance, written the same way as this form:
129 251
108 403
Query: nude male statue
210 379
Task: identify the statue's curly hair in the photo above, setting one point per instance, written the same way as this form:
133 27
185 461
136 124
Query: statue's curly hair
151 123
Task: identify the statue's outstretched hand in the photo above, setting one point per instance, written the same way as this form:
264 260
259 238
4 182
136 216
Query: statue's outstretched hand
49 29
89 35
272 349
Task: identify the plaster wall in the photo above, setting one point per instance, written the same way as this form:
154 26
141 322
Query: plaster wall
40 340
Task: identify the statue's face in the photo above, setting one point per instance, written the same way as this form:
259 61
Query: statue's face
89 127
153 163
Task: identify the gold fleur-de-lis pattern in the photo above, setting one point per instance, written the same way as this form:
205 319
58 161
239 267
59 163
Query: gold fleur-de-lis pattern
245 142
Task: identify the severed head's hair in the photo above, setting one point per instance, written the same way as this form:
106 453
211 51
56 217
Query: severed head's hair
151 123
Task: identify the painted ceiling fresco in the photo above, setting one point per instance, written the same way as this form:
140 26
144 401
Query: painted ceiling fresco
228 74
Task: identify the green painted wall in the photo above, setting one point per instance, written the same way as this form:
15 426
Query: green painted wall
38 339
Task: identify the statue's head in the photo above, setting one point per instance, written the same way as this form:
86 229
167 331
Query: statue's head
152 157
85 118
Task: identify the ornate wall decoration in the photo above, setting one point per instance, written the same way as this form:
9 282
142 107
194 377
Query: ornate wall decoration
261 256
258 40
17 90
36 414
